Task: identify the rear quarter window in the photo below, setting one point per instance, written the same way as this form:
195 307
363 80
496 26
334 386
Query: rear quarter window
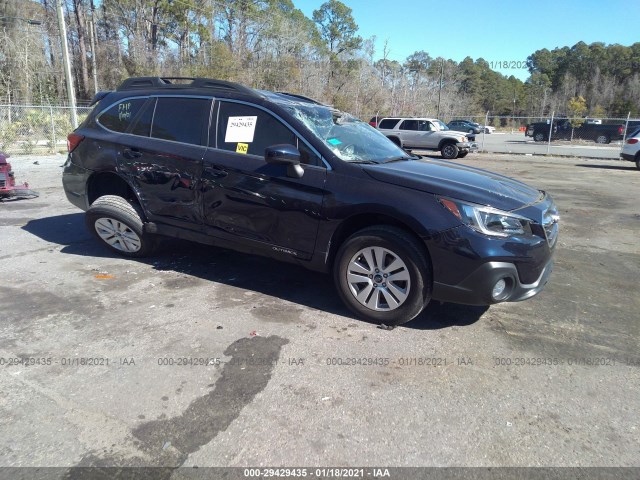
119 116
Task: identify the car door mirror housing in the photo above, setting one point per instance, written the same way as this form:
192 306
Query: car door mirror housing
285 154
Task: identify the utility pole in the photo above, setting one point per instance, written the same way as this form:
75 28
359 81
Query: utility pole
67 64
94 66
440 89
513 113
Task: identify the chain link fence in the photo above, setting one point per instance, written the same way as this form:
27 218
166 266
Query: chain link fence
550 135
28 129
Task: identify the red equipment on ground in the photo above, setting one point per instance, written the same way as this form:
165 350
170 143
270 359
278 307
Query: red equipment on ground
8 187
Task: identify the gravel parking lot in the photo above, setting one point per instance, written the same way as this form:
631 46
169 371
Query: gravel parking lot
202 357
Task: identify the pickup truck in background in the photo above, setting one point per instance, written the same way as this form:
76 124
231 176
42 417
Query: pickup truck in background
426 134
562 130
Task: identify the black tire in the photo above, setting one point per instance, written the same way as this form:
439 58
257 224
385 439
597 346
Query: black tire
462 154
405 247
637 162
603 139
539 137
449 151
109 209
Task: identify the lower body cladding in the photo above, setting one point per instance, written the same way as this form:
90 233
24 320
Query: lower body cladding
473 269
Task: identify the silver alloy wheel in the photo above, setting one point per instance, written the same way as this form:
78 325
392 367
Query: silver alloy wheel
378 279
118 235
601 139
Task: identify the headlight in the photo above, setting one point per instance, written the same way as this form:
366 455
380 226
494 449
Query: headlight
487 220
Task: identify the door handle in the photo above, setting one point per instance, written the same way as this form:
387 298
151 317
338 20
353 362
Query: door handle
131 153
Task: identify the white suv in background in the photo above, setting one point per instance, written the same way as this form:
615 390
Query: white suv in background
426 134
631 148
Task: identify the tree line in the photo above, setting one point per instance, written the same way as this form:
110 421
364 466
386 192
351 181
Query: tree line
270 44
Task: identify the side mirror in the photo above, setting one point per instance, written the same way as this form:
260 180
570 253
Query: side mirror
285 154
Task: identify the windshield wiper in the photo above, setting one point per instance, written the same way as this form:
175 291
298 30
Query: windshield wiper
396 159
366 162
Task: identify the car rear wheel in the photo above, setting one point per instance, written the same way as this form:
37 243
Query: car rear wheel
602 139
539 137
449 151
382 274
637 163
118 225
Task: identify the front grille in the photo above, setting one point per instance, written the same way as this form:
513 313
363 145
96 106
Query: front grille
550 221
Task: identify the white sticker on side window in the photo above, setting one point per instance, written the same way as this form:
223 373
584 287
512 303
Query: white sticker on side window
240 129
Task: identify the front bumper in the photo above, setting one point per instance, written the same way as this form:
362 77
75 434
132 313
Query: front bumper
476 289
466 264
467 146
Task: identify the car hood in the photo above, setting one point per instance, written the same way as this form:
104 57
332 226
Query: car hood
460 182
452 133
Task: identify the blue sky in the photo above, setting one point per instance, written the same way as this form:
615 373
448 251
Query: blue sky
492 29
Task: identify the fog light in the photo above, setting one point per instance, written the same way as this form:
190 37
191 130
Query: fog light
498 289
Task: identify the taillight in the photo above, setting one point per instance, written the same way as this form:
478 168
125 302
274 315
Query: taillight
620 129
373 124
73 140
632 141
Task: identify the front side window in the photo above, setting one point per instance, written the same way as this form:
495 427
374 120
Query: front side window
248 130
424 126
181 119
118 117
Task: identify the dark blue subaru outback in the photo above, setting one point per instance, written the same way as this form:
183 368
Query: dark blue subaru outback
281 175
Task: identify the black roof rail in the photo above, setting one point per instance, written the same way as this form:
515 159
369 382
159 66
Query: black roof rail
191 82
301 97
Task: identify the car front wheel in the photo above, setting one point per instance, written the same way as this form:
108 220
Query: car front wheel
602 139
449 151
118 225
383 275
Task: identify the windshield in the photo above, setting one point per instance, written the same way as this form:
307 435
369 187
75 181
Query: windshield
443 126
351 139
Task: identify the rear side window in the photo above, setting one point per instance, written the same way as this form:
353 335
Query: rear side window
142 126
388 123
118 117
181 119
249 130
409 125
